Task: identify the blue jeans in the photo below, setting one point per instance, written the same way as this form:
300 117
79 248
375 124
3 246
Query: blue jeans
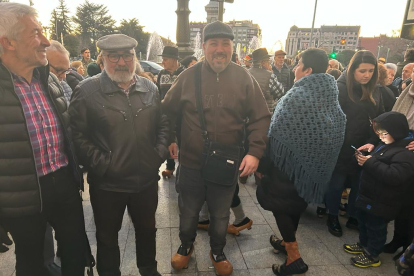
193 191
372 232
336 186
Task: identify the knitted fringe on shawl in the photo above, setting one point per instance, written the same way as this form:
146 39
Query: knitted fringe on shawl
287 162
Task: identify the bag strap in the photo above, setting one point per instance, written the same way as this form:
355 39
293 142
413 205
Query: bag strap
199 100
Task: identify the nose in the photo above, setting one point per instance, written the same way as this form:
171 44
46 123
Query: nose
44 40
121 61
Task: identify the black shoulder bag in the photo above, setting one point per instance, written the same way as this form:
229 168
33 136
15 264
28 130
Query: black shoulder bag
221 161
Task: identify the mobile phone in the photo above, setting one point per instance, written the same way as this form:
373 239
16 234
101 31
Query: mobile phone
356 150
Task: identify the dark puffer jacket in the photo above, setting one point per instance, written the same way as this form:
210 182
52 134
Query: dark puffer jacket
358 130
285 76
19 185
388 176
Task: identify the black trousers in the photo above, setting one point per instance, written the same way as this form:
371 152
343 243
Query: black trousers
236 199
108 209
288 225
62 208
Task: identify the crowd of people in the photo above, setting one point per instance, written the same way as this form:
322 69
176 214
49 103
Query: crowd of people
309 131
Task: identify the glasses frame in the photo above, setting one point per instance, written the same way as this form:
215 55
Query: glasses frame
119 57
60 72
382 134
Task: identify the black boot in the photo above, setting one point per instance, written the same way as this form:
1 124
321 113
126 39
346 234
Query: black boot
352 223
297 267
149 270
320 211
333 226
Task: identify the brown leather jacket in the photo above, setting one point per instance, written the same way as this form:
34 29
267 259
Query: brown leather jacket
229 98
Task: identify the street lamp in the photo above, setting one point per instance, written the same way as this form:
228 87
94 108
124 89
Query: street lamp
313 23
379 50
221 8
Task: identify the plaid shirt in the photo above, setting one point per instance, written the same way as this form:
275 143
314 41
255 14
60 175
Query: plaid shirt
133 82
45 129
276 88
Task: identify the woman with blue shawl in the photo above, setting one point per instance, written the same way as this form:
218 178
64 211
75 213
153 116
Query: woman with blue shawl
305 136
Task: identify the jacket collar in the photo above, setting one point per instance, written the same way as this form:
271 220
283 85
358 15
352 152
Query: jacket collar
209 69
110 87
5 74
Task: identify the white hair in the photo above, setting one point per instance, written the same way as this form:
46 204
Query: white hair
391 66
56 46
10 14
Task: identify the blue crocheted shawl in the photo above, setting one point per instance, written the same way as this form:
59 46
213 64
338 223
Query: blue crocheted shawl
306 134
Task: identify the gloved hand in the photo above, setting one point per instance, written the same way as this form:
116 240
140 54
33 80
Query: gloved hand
4 239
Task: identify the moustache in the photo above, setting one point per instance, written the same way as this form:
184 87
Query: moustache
219 56
122 68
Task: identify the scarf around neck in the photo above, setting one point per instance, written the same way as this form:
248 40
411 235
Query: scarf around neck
306 134
404 104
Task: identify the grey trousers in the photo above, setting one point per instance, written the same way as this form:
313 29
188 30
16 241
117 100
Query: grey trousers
193 192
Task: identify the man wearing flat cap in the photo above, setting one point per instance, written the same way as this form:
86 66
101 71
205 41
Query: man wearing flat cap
121 138
165 79
262 71
229 96
282 71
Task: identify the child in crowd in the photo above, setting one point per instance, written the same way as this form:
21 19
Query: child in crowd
387 174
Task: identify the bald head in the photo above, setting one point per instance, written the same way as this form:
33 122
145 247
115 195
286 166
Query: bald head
407 71
333 64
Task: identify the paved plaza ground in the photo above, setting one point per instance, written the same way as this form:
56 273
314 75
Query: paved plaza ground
250 253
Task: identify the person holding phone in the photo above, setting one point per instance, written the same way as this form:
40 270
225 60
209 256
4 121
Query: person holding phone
385 187
360 101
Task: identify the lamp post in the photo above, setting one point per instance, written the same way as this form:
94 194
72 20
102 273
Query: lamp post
379 50
221 8
313 23
388 51
183 29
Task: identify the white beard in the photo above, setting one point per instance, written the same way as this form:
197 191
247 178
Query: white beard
121 76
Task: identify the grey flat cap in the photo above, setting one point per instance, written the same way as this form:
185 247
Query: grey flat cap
217 29
116 42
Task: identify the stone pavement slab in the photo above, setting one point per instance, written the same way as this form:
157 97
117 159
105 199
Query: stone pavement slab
250 253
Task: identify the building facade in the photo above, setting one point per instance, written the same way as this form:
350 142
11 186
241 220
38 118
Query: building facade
329 38
244 30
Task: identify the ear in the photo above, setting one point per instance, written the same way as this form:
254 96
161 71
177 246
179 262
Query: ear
308 71
8 43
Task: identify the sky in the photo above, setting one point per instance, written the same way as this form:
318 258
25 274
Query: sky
275 17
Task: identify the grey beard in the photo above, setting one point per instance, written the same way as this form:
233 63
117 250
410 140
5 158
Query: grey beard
121 76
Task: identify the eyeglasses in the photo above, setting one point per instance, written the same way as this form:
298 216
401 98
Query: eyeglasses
114 58
60 71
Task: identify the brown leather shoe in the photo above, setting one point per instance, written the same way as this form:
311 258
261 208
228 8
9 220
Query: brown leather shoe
235 229
180 260
203 226
168 173
222 266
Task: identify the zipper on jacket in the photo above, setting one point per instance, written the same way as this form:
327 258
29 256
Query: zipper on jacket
218 77
117 110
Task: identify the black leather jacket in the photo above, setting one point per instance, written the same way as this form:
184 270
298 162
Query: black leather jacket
19 184
121 140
